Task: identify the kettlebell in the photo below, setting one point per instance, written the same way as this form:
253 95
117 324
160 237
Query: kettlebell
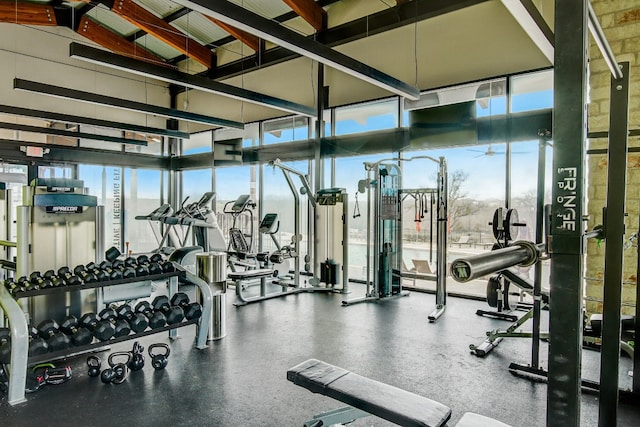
137 357
117 372
93 362
160 360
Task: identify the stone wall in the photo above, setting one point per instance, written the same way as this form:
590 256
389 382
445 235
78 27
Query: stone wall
620 20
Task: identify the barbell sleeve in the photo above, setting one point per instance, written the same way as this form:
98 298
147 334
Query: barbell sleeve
523 253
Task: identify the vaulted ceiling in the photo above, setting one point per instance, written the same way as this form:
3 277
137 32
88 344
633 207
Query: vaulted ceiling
262 62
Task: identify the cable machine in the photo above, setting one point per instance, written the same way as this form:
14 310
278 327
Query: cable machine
384 230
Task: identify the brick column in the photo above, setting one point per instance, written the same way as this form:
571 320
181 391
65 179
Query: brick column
620 20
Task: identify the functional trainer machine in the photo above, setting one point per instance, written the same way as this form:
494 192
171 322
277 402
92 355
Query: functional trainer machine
59 225
331 200
384 230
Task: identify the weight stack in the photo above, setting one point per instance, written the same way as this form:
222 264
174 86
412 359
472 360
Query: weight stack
329 272
211 267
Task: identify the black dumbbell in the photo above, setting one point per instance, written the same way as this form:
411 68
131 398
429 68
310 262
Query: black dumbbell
143 260
55 280
121 326
112 273
137 321
25 285
130 262
68 277
9 283
37 345
79 334
56 340
168 267
84 274
14 287
191 310
112 253
39 281
101 330
95 269
156 318
173 314
127 272
156 258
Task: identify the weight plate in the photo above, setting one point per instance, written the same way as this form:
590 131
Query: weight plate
496 224
493 290
513 296
510 228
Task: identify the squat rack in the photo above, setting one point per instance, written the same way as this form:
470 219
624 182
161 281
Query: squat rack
572 19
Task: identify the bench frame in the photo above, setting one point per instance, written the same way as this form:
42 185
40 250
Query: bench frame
265 276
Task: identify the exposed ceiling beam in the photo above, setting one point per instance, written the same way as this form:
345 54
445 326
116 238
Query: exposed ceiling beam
124 104
528 16
10 149
108 59
385 20
67 118
27 13
310 11
106 38
247 38
276 33
160 29
69 134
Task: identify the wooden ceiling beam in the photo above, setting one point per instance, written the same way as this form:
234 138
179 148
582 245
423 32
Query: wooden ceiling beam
142 18
27 13
249 39
310 11
108 39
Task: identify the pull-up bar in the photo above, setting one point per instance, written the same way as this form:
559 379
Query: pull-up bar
603 44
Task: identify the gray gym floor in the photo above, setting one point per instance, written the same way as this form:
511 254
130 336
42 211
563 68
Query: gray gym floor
241 379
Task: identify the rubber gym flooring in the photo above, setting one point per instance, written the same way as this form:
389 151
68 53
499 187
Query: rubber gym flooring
241 379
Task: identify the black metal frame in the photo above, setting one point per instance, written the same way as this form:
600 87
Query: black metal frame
569 133
573 18
614 230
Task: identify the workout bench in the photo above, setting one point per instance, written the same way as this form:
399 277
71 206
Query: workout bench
370 397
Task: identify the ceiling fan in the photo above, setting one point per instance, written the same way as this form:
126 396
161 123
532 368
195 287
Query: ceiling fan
490 152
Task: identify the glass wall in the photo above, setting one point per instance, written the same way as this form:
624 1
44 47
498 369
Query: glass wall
348 172
201 142
142 194
106 183
532 91
231 183
278 198
285 130
367 117
14 177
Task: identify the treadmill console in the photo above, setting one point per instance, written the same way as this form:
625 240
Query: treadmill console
268 222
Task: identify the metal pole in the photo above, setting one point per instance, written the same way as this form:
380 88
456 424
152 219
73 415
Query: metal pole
537 275
613 222
296 221
431 227
603 44
441 243
636 354
569 132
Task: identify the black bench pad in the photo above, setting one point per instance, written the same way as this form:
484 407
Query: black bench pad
379 399
250 274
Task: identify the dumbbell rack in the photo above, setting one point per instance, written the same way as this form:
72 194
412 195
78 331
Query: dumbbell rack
20 331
